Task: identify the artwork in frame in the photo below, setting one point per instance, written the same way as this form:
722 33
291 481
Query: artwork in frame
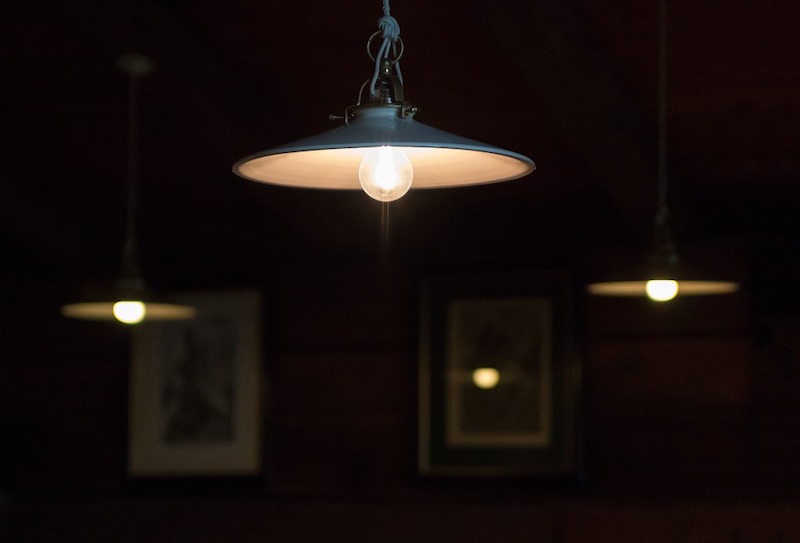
499 375
195 402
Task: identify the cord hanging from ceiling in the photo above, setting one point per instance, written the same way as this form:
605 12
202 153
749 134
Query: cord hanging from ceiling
389 30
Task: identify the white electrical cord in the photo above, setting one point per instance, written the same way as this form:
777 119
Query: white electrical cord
390 32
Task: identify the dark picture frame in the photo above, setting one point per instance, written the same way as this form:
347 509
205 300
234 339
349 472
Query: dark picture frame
499 375
196 390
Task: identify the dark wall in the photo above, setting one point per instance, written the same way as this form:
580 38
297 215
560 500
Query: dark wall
689 409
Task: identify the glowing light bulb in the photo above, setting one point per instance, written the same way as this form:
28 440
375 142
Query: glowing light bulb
485 377
129 312
661 290
385 173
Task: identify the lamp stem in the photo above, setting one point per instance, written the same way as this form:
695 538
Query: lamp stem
129 258
662 105
134 66
663 239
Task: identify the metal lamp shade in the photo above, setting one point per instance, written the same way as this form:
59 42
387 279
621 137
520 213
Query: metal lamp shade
97 302
331 160
663 266
104 311
639 288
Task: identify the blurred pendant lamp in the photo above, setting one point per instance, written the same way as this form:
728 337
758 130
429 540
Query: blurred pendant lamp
663 276
130 302
381 148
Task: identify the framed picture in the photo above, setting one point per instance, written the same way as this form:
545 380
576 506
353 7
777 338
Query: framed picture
498 375
196 390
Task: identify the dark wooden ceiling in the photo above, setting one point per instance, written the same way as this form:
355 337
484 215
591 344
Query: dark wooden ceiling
570 84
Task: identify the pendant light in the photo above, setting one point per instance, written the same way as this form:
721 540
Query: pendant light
662 276
130 302
381 148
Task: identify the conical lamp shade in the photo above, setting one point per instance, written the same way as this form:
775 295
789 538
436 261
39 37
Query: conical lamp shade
662 267
104 311
98 304
331 160
638 287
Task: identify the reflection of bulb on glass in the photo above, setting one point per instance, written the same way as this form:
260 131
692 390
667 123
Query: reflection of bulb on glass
385 173
485 377
129 312
661 290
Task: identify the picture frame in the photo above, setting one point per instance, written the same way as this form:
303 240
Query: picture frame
196 390
499 375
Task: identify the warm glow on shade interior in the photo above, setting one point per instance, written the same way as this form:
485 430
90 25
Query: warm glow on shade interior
331 160
338 168
104 311
639 288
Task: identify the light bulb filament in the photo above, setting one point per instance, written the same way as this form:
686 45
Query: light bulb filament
385 173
